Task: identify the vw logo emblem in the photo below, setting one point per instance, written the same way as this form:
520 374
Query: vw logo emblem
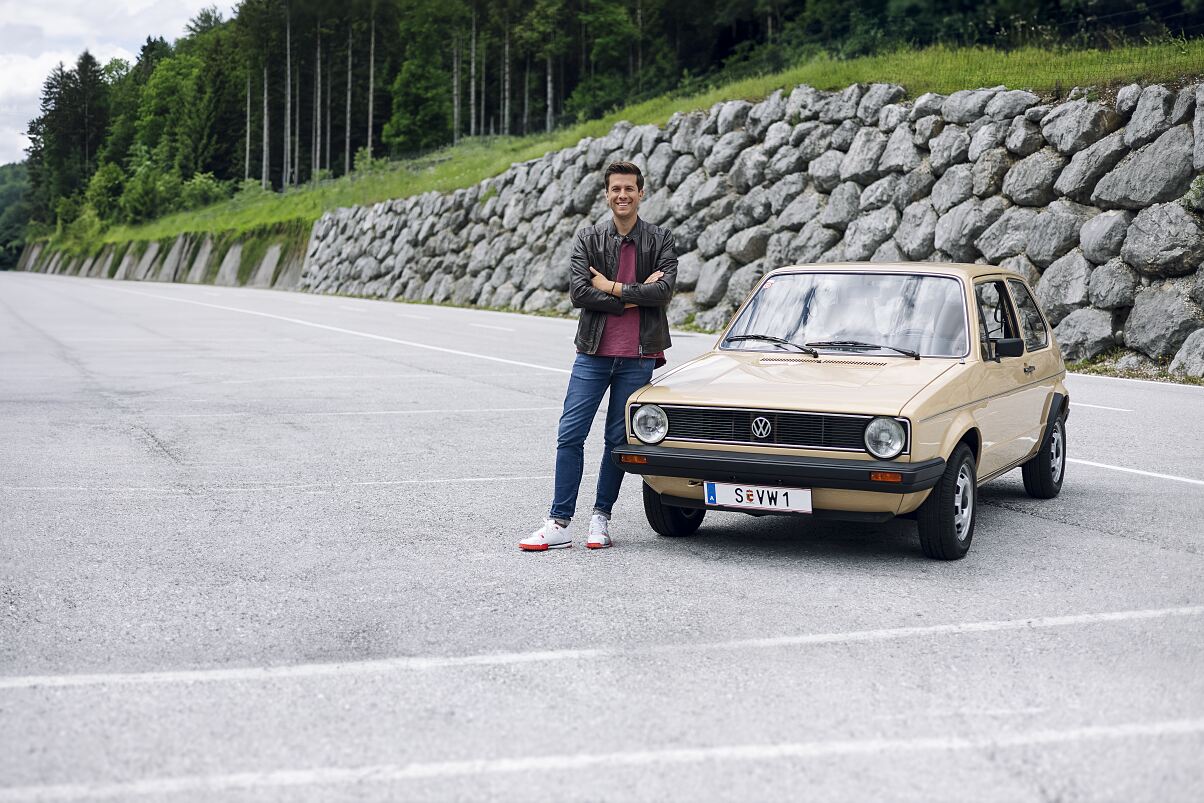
761 427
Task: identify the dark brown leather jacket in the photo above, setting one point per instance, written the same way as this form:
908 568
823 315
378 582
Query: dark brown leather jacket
598 246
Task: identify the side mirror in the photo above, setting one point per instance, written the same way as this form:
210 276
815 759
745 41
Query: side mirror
1009 347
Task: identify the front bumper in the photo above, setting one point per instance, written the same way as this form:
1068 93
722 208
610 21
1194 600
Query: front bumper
785 470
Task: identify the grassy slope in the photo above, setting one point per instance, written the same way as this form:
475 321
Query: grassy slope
935 69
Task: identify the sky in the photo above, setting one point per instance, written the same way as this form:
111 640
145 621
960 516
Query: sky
35 36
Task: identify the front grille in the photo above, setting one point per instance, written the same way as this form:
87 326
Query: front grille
806 430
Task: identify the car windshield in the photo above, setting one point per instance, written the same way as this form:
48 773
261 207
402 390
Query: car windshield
853 311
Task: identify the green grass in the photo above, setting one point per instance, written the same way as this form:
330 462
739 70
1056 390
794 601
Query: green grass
934 69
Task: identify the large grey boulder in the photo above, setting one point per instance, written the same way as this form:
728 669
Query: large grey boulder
1126 99
1102 236
683 197
989 171
892 116
711 190
987 136
764 114
825 170
743 280
1161 320
967 105
788 161
1074 125
860 164
685 165
1023 137
1198 128
777 250
1055 231
1063 286
812 139
926 105
950 147
926 129
843 136
703 146
724 154
1007 236
712 281
802 103
1164 240
802 210
587 193
1023 266
843 205
749 169
917 230
1157 172
957 229
900 154
1030 182
867 232
713 240
776 136
689 127
786 190
1151 117
840 107
749 244
1085 333
1189 359
1089 165
752 209
880 193
915 185
732 115
955 186
1185 104
812 242
1113 285
877 96
888 252
1006 105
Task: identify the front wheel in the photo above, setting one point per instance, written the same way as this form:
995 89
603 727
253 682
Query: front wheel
1044 471
946 519
670 520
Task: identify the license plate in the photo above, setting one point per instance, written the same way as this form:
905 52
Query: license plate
759 497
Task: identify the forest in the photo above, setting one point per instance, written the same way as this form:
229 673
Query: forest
287 93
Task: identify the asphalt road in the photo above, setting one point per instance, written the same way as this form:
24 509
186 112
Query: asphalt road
262 546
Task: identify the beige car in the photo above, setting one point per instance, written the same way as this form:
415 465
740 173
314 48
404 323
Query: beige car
858 392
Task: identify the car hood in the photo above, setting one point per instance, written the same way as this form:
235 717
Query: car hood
844 383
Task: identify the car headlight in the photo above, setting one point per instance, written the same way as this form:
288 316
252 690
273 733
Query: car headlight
885 438
650 423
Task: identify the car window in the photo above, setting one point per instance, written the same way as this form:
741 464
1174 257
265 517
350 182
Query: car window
995 319
1032 325
914 311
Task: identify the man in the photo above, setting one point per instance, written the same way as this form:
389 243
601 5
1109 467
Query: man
622 277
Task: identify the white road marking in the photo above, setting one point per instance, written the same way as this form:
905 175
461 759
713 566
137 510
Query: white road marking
288 416
487 326
1171 477
1074 404
420 663
413 317
353 309
1141 381
545 763
341 330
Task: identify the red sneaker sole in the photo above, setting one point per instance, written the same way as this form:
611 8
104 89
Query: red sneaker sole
541 547
598 546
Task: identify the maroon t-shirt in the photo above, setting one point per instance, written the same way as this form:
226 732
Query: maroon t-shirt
621 333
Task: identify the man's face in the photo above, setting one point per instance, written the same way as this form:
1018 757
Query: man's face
623 196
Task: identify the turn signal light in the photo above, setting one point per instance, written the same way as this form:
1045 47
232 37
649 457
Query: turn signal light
886 476
632 458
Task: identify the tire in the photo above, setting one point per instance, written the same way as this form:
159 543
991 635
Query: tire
670 520
946 519
1043 474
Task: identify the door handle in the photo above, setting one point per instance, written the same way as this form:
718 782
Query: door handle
1028 369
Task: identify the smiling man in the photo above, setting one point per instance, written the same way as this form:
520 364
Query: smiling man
622 277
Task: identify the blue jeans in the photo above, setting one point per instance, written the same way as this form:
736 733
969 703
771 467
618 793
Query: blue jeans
591 378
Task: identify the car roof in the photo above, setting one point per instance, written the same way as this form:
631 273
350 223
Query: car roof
957 270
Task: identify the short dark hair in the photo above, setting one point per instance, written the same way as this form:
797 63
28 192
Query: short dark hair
623 169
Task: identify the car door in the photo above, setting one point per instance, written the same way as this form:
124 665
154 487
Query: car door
1042 363
1001 411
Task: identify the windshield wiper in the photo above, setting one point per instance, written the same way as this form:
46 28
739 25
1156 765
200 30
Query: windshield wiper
861 344
779 340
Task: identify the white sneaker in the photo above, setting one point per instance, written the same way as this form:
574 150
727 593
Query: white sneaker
599 532
550 536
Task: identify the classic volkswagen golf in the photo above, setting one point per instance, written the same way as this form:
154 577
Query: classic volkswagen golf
859 392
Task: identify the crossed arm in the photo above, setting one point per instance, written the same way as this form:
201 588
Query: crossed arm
589 289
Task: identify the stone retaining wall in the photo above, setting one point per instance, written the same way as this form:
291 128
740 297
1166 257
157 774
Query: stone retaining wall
1098 205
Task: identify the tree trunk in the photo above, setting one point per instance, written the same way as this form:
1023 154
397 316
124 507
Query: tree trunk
265 182
329 86
549 114
506 83
527 99
456 88
296 172
246 158
288 97
639 44
347 124
371 76
484 64
472 79
315 139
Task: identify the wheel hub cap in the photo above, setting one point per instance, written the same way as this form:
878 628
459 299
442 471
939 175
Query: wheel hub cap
963 503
